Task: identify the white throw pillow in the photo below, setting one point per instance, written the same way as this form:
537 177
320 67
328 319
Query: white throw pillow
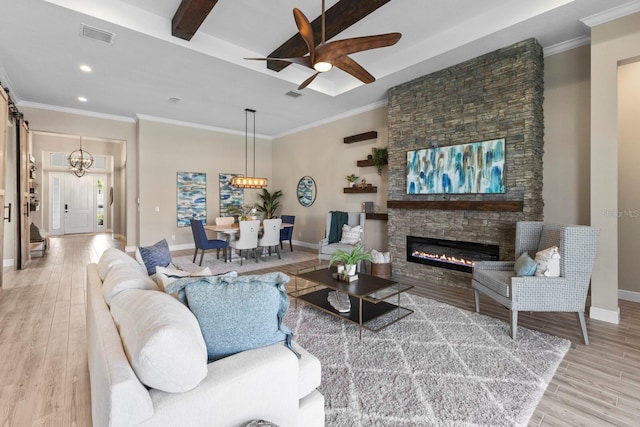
125 276
111 257
548 261
350 235
161 339
167 275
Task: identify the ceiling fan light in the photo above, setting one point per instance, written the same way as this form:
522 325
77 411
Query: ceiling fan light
322 67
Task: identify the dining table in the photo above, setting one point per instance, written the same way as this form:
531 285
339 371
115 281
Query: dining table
233 229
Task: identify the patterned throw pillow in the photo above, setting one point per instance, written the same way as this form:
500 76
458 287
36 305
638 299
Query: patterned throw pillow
548 261
351 235
153 256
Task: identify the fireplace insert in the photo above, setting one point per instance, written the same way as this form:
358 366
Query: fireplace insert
452 254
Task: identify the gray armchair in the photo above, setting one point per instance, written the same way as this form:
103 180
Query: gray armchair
567 293
326 249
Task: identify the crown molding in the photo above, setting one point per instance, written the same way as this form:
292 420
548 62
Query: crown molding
197 126
48 107
611 14
345 115
566 45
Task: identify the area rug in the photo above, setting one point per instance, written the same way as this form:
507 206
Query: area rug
218 266
440 366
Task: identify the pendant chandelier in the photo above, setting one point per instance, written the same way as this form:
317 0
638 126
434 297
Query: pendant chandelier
249 181
80 161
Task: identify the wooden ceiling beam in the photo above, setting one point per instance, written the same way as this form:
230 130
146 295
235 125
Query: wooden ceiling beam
338 18
189 16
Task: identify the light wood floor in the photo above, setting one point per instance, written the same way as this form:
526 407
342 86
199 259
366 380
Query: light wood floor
44 379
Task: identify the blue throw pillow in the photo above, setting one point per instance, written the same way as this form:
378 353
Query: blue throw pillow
156 255
525 265
240 313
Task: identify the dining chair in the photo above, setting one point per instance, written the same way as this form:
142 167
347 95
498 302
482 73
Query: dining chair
271 235
287 232
203 243
248 239
224 220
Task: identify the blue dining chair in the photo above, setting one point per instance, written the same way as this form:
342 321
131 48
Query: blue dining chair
286 233
203 242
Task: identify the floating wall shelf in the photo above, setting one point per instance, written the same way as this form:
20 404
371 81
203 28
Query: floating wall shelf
361 137
371 189
365 163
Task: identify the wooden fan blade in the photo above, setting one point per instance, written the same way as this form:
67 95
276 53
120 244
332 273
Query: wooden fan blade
306 82
305 60
334 49
352 67
306 32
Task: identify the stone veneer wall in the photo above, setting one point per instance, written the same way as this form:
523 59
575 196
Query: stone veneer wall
497 95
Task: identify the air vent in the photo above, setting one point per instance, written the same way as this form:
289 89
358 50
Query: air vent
293 94
96 34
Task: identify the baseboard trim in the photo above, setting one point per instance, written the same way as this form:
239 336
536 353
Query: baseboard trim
303 244
629 295
8 262
609 316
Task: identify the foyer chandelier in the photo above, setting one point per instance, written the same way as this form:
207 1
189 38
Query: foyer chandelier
80 161
249 181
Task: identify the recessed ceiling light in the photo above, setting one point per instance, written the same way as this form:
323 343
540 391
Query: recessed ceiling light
82 99
85 68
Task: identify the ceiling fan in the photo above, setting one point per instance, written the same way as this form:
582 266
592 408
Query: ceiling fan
327 55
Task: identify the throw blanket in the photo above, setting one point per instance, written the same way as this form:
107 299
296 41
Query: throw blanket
338 219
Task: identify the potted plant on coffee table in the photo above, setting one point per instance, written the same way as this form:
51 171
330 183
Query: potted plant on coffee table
350 259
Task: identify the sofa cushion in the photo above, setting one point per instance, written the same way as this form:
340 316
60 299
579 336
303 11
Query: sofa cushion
525 265
153 256
334 247
548 262
125 276
111 257
161 339
175 286
239 313
167 275
350 235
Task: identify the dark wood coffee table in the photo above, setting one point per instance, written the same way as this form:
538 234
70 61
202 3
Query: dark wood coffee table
369 310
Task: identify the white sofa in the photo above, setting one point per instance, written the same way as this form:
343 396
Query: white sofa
268 383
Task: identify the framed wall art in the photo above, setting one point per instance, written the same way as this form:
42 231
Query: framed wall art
192 197
231 198
474 168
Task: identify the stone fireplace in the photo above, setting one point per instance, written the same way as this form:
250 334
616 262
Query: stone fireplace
497 95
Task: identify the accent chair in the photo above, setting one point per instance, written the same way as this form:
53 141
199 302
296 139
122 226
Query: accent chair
566 293
326 249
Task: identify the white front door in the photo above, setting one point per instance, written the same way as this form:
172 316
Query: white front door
72 204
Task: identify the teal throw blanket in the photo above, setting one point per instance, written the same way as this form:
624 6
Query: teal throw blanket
338 219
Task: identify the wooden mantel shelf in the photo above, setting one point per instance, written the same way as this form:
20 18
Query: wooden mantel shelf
459 205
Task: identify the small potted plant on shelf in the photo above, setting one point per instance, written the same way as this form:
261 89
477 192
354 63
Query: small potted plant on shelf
380 158
352 179
350 259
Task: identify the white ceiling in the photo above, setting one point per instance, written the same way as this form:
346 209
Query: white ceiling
134 76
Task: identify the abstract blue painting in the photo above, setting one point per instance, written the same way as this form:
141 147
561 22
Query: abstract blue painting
231 198
192 197
457 169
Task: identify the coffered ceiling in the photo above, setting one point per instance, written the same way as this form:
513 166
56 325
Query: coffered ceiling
147 72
